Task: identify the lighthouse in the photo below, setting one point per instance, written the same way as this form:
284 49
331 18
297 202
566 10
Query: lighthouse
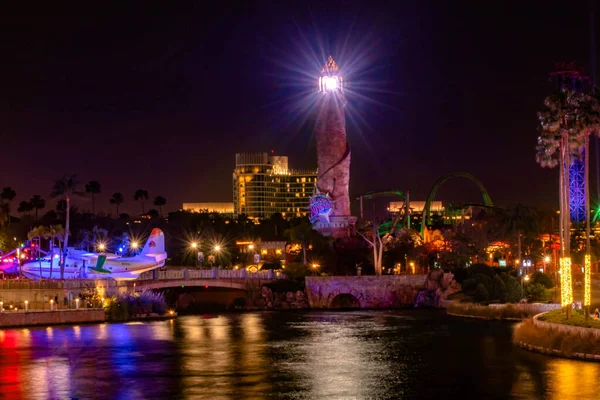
330 203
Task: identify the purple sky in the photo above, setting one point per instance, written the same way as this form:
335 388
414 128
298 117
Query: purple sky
164 102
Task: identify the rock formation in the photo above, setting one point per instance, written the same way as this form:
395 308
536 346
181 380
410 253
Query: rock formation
438 286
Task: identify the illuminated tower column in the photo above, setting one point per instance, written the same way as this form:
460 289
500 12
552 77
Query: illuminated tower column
330 205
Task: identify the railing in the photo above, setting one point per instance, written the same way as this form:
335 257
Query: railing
213 273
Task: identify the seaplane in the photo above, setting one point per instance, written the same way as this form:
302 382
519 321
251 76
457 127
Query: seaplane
82 264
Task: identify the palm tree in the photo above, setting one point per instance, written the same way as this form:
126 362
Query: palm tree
159 202
37 233
566 122
141 195
117 199
94 188
7 195
518 221
24 207
37 203
301 233
66 187
54 232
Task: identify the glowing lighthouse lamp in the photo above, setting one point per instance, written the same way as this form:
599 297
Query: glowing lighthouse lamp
331 80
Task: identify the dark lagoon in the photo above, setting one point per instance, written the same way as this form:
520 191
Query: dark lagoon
291 355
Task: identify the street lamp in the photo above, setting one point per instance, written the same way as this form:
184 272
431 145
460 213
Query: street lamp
101 247
194 247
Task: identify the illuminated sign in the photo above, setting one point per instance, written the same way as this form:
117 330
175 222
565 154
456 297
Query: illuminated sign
320 206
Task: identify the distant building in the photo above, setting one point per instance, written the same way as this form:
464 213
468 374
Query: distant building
205 207
263 185
416 207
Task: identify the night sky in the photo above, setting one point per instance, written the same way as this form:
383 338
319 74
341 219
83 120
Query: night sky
162 99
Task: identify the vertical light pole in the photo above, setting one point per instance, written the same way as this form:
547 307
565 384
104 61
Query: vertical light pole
194 247
52 305
26 306
77 303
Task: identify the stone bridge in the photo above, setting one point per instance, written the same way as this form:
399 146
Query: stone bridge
222 278
387 291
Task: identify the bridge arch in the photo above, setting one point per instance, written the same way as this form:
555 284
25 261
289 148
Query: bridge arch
344 301
487 201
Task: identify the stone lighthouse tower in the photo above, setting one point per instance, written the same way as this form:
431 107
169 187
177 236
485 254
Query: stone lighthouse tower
330 204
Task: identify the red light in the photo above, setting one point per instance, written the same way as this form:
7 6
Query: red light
205 287
272 151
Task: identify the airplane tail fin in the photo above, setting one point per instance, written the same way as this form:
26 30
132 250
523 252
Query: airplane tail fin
155 243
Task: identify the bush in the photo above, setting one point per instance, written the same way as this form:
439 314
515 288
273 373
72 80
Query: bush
498 291
542 279
296 271
125 305
481 293
535 292
513 293
285 285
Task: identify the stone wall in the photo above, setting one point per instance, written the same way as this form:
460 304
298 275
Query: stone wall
387 291
281 301
38 293
530 308
576 330
8 319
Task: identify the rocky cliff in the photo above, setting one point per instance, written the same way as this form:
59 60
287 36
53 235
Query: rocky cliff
438 286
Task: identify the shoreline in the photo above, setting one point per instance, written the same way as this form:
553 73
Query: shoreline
557 340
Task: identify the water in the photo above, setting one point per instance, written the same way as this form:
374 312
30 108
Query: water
312 355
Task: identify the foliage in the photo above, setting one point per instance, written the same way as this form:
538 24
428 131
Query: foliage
543 279
481 293
285 285
577 319
535 292
91 298
117 199
296 270
502 288
513 293
141 194
126 305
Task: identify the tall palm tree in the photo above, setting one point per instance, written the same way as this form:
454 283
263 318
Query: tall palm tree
301 232
159 202
141 195
94 188
566 122
65 188
37 203
117 199
7 195
54 232
24 207
518 221
37 233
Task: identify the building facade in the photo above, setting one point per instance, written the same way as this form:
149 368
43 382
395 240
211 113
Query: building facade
209 207
263 185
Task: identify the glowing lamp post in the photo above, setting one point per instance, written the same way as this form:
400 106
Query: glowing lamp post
587 285
51 305
566 286
101 247
77 304
194 247
26 306
1 306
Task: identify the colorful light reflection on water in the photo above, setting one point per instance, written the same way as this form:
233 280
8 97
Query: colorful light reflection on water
403 354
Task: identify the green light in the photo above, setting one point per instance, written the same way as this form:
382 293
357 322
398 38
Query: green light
182 286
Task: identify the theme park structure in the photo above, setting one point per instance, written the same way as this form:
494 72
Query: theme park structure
330 203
